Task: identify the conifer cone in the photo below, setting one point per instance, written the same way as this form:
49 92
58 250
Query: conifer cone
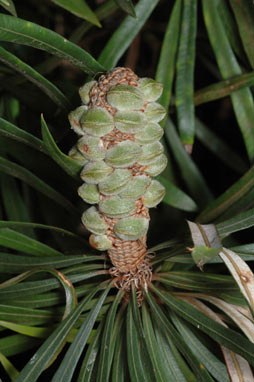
120 150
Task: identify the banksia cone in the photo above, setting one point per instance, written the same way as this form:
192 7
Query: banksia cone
120 150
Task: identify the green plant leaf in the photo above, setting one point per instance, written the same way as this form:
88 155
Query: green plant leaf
9 6
13 264
8 367
14 205
208 283
20 31
23 243
161 368
242 100
27 316
17 344
219 148
169 356
107 344
190 172
119 372
80 9
185 74
70 294
127 6
30 288
237 223
241 273
125 34
69 165
224 336
137 368
67 367
244 16
224 203
172 335
223 88
217 369
50 347
175 197
11 131
32 75
166 66
91 355
28 177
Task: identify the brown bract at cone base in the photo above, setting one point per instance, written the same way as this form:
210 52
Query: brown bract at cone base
120 150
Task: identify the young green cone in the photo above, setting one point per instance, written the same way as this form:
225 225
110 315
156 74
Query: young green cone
119 140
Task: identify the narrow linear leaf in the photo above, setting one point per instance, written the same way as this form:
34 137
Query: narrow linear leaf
243 187
166 66
107 342
169 356
191 174
217 369
137 369
70 293
9 6
243 12
241 273
223 88
220 148
8 367
127 6
242 100
23 243
243 322
125 34
119 372
11 131
69 165
172 335
161 369
238 223
28 177
238 367
20 31
14 204
50 347
91 355
80 9
32 75
17 344
67 367
10 263
224 336
175 197
185 74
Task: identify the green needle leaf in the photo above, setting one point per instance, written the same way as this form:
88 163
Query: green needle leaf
51 346
66 370
20 31
185 74
9 6
80 9
244 15
127 6
28 177
69 165
242 100
32 75
125 34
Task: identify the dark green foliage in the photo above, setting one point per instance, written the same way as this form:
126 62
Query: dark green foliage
61 317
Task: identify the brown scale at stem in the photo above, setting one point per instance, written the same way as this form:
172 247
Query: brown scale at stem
130 258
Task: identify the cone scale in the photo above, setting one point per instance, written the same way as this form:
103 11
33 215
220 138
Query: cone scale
120 150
